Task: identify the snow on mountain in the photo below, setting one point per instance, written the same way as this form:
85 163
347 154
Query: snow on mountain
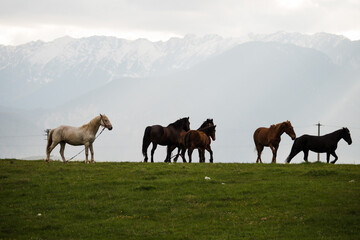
120 57
88 63
340 49
65 68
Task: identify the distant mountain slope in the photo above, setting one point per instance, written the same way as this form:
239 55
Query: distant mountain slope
254 84
248 85
341 50
45 74
66 67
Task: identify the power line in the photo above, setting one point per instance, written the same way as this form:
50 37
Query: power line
20 136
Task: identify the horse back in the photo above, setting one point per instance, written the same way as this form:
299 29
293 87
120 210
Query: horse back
71 135
315 143
196 138
164 135
261 136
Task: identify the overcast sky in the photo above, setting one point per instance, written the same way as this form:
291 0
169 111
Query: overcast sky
22 20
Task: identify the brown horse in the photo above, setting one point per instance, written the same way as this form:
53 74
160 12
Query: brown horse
200 139
271 137
181 145
165 136
84 135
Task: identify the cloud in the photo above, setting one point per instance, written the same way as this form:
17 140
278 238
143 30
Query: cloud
162 18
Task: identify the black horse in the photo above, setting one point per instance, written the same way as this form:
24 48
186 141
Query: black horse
181 145
320 144
165 136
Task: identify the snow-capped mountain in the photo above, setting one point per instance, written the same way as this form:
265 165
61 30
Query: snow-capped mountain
44 74
87 63
340 49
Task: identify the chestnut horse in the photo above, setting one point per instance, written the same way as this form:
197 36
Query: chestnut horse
200 139
165 136
271 137
320 144
181 145
84 135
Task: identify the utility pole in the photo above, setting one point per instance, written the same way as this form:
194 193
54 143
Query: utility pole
318 125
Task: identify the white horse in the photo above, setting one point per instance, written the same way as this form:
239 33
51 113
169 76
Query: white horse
84 135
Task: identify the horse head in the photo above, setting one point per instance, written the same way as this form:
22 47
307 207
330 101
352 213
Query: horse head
210 131
186 124
346 135
209 122
105 122
288 128
212 134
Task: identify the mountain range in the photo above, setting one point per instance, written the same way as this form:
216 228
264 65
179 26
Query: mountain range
241 83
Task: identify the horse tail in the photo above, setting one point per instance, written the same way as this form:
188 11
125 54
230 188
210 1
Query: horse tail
146 140
49 134
187 139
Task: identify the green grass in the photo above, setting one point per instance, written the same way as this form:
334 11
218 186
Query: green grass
174 201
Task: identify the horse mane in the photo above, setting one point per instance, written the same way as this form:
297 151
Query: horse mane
207 130
339 131
179 123
278 125
92 122
208 121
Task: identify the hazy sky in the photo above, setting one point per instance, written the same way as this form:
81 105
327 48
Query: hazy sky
22 20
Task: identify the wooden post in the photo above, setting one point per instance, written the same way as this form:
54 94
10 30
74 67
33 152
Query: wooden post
318 125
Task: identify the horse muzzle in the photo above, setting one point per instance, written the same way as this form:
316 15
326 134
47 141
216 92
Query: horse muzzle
109 127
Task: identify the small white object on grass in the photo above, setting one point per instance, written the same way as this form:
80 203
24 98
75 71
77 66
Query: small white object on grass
207 178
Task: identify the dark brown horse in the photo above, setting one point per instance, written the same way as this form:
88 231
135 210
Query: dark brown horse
271 137
320 144
165 136
200 139
181 146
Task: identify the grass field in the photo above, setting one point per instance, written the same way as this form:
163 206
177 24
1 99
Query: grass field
175 201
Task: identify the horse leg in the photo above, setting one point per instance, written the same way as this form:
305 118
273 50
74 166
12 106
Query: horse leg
145 154
92 153
62 149
274 151
201 155
327 157
152 152
259 149
48 151
190 150
183 150
86 153
306 154
177 155
168 154
211 154
336 157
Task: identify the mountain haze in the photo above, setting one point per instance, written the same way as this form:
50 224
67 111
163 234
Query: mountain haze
241 85
75 66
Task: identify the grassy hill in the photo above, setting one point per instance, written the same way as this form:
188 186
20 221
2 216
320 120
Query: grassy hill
175 201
